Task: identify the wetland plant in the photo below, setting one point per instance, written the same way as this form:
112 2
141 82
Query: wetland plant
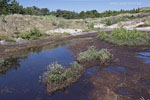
58 77
92 54
123 36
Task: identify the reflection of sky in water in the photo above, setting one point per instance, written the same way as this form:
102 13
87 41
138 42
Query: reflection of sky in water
144 55
92 71
114 69
24 82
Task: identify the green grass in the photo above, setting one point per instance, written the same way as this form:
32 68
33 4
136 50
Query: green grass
7 38
92 54
31 35
59 75
123 36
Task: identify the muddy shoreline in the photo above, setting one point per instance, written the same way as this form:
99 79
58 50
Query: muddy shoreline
15 47
123 78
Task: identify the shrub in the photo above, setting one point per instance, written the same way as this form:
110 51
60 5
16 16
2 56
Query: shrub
108 22
104 55
32 35
91 26
102 35
123 36
92 54
57 74
76 67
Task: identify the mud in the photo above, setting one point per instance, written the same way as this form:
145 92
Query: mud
125 77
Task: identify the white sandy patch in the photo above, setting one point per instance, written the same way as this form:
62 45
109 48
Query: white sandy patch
2 42
99 26
69 31
20 40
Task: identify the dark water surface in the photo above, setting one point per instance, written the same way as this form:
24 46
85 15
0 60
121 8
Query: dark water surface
19 74
145 56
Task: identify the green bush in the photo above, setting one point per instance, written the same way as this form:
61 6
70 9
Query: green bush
93 54
108 22
57 74
123 36
76 67
32 35
104 55
102 35
90 54
91 26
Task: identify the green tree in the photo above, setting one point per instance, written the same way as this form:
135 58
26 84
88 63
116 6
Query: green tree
4 7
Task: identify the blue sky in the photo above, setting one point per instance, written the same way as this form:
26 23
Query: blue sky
79 5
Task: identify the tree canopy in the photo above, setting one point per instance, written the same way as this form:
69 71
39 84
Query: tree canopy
13 7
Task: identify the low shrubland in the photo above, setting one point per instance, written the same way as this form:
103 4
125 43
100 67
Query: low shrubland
7 38
92 54
58 77
123 36
31 35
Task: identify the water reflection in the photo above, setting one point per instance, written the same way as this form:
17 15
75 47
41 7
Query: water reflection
12 61
145 56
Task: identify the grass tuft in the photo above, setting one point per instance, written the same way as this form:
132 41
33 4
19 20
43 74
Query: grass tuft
92 54
58 76
123 36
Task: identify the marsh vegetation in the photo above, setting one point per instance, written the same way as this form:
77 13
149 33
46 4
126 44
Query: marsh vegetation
123 36
92 54
58 77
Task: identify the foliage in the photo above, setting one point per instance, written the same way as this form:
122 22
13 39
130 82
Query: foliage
57 74
91 26
93 54
102 35
32 35
123 36
13 7
104 55
76 67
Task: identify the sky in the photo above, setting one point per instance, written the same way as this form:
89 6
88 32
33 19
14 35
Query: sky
84 5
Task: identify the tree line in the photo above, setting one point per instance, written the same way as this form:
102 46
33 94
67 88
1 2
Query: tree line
13 7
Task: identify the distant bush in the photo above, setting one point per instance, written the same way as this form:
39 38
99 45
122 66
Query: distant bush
91 26
102 35
93 54
32 35
123 36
